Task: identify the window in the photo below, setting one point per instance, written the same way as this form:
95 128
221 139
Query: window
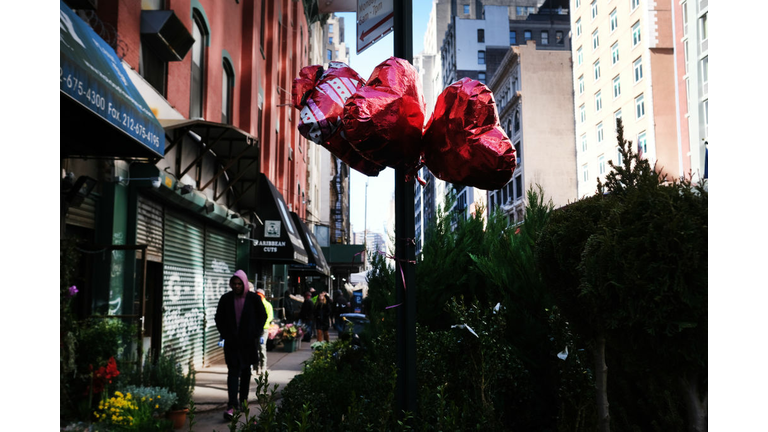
705 108
703 29
595 40
330 28
616 117
598 101
197 88
579 57
614 53
578 3
262 26
481 35
585 172
545 37
582 113
639 106
512 37
601 164
637 66
519 153
336 54
600 133
642 143
584 142
705 70
596 68
594 9
528 35
481 77
618 156
466 9
329 54
578 27
517 121
616 87
684 6
636 34
634 4
518 187
581 84
559 38
481 57
685 56
227 91
153 69
614 21
330 39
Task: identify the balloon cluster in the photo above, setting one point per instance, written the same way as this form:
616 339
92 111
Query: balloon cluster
380 123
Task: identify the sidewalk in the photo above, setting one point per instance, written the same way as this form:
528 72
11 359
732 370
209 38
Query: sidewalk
210 394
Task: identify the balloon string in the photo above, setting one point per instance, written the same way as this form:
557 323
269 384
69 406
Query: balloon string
402 274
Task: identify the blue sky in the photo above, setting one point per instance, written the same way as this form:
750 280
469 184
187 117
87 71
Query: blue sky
381 189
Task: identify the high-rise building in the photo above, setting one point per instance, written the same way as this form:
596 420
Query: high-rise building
692 84
623 67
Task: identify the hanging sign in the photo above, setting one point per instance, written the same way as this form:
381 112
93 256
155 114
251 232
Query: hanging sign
375 19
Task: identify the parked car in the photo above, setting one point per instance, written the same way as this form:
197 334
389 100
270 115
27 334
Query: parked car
358 320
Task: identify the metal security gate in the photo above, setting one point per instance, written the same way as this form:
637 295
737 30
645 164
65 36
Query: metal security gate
220 262
149 228
183 272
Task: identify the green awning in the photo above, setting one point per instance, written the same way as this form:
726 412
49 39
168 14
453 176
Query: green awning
102 112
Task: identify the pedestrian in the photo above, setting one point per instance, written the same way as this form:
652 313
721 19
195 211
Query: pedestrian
340 306
288 307
270 315
307 316
240 317
323 317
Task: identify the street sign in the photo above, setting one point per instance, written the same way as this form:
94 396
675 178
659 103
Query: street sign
375 19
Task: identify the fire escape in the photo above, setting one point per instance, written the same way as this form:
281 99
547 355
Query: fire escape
339 204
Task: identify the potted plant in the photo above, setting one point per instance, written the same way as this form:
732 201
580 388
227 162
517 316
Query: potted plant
291 336
167 372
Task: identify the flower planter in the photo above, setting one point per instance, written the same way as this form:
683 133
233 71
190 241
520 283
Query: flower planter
178 417
290 345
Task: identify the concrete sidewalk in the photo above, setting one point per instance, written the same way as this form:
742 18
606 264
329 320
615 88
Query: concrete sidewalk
210 394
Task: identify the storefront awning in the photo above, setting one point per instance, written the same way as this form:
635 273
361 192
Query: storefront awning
345 257
275 237
236 153
102 112
316 258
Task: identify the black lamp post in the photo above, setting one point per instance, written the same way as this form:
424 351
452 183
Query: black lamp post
405 246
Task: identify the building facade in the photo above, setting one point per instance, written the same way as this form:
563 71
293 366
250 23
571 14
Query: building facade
623 66
692 84
219 188
533 95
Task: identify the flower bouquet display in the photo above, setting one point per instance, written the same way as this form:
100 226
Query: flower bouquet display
291 336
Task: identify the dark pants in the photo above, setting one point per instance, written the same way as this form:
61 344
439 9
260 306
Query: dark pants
238 378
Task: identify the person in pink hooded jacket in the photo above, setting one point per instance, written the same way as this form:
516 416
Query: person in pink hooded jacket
240 318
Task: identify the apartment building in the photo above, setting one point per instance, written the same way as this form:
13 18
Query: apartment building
623 67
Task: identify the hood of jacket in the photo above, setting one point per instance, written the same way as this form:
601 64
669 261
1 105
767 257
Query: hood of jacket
241 274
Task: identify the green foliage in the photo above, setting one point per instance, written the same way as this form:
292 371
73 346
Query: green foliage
165 372
162 399
630 264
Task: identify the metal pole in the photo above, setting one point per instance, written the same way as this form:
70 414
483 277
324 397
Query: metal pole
405 252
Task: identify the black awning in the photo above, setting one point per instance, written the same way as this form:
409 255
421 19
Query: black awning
102 112
236 153
275 236
316 258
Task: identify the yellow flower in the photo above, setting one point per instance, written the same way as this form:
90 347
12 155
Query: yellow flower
158 396
142 398
117 393
157 406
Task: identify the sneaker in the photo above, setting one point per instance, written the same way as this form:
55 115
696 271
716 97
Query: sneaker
229 414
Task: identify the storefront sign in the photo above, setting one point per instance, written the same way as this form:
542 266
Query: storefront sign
91 73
